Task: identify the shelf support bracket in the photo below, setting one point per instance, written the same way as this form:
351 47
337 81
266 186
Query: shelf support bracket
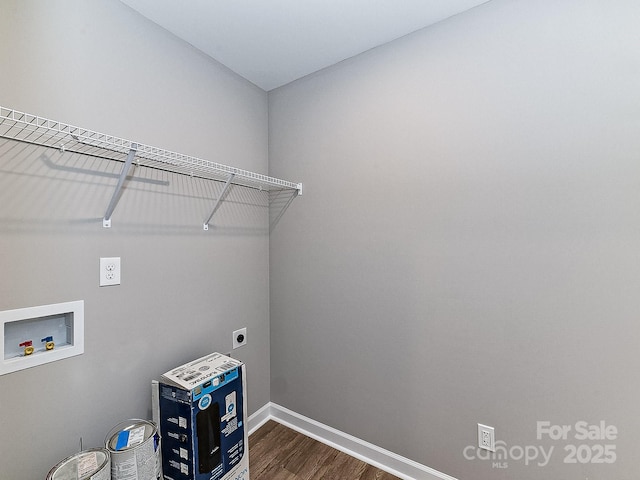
293 195
225 190
106 221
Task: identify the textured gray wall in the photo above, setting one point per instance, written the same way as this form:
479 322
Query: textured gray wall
100 65
466 249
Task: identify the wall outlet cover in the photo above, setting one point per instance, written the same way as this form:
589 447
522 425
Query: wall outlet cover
240 337
486 437
109 271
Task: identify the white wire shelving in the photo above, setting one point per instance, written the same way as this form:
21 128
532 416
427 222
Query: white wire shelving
25 127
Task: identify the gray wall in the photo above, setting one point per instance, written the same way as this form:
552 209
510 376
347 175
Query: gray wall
100 65
466 248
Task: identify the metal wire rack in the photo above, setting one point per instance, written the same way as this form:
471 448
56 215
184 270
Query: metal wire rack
25 127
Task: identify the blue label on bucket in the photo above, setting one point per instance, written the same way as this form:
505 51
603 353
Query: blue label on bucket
123 440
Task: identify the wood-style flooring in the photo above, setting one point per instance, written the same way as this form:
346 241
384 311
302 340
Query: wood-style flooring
279 453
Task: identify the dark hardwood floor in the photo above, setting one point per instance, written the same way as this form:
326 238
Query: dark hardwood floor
279 453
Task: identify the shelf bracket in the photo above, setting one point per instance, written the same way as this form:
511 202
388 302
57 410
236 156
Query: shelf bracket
225 190
293 195
106 221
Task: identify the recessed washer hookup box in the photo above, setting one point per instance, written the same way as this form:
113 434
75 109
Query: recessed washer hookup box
200 408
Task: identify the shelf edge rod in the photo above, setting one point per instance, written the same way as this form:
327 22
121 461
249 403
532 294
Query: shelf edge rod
106 221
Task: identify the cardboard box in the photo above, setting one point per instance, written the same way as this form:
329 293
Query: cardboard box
200 409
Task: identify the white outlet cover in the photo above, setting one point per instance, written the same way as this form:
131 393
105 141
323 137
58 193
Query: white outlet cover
236 342
109 271
486 437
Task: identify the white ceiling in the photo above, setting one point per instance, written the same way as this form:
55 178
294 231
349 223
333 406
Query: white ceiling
273 42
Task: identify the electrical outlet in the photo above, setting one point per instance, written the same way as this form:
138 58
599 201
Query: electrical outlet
486 437
109 271
239 338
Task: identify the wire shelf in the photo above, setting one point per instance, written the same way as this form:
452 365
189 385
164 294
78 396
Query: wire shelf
25 127
37 130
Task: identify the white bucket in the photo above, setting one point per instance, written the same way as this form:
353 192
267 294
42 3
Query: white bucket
134 446
91 464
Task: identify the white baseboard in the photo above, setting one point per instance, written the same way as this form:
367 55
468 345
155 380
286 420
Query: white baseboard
259 418
390 462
